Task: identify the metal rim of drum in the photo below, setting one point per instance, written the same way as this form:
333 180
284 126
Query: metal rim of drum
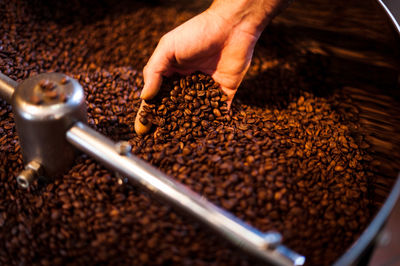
360 250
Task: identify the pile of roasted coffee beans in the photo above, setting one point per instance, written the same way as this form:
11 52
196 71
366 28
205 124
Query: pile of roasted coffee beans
190 103
298 170
282 158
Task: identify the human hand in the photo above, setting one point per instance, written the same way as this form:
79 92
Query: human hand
212 42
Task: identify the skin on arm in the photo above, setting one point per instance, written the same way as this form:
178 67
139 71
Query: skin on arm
220 42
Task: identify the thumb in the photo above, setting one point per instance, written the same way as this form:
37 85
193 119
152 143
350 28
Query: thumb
229 94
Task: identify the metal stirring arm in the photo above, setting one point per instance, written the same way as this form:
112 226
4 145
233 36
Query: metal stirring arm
265 246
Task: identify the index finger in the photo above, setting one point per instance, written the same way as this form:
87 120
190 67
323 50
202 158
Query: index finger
159 65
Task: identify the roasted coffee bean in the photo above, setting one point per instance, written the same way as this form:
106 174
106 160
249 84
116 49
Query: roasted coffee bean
35 99
188 98
51 94
216 112
64 80
144 120
44 84
62 97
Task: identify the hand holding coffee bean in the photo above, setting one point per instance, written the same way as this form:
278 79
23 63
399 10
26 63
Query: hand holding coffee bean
219 42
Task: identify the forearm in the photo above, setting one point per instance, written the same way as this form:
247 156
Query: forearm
251 16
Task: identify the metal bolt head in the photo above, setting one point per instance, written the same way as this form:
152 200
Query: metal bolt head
31 172
123 147
121 180
272 239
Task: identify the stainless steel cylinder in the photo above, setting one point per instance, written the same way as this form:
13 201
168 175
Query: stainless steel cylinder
45 107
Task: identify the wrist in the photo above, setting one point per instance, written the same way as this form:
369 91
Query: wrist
251 16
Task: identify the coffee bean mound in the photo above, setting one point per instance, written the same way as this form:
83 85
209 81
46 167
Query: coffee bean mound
284 157
192 101
297 170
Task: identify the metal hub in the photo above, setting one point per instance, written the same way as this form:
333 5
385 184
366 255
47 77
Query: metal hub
45 107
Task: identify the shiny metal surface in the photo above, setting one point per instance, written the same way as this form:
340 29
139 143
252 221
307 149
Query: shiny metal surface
392 9
31 172
41 127
265 246
7 87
